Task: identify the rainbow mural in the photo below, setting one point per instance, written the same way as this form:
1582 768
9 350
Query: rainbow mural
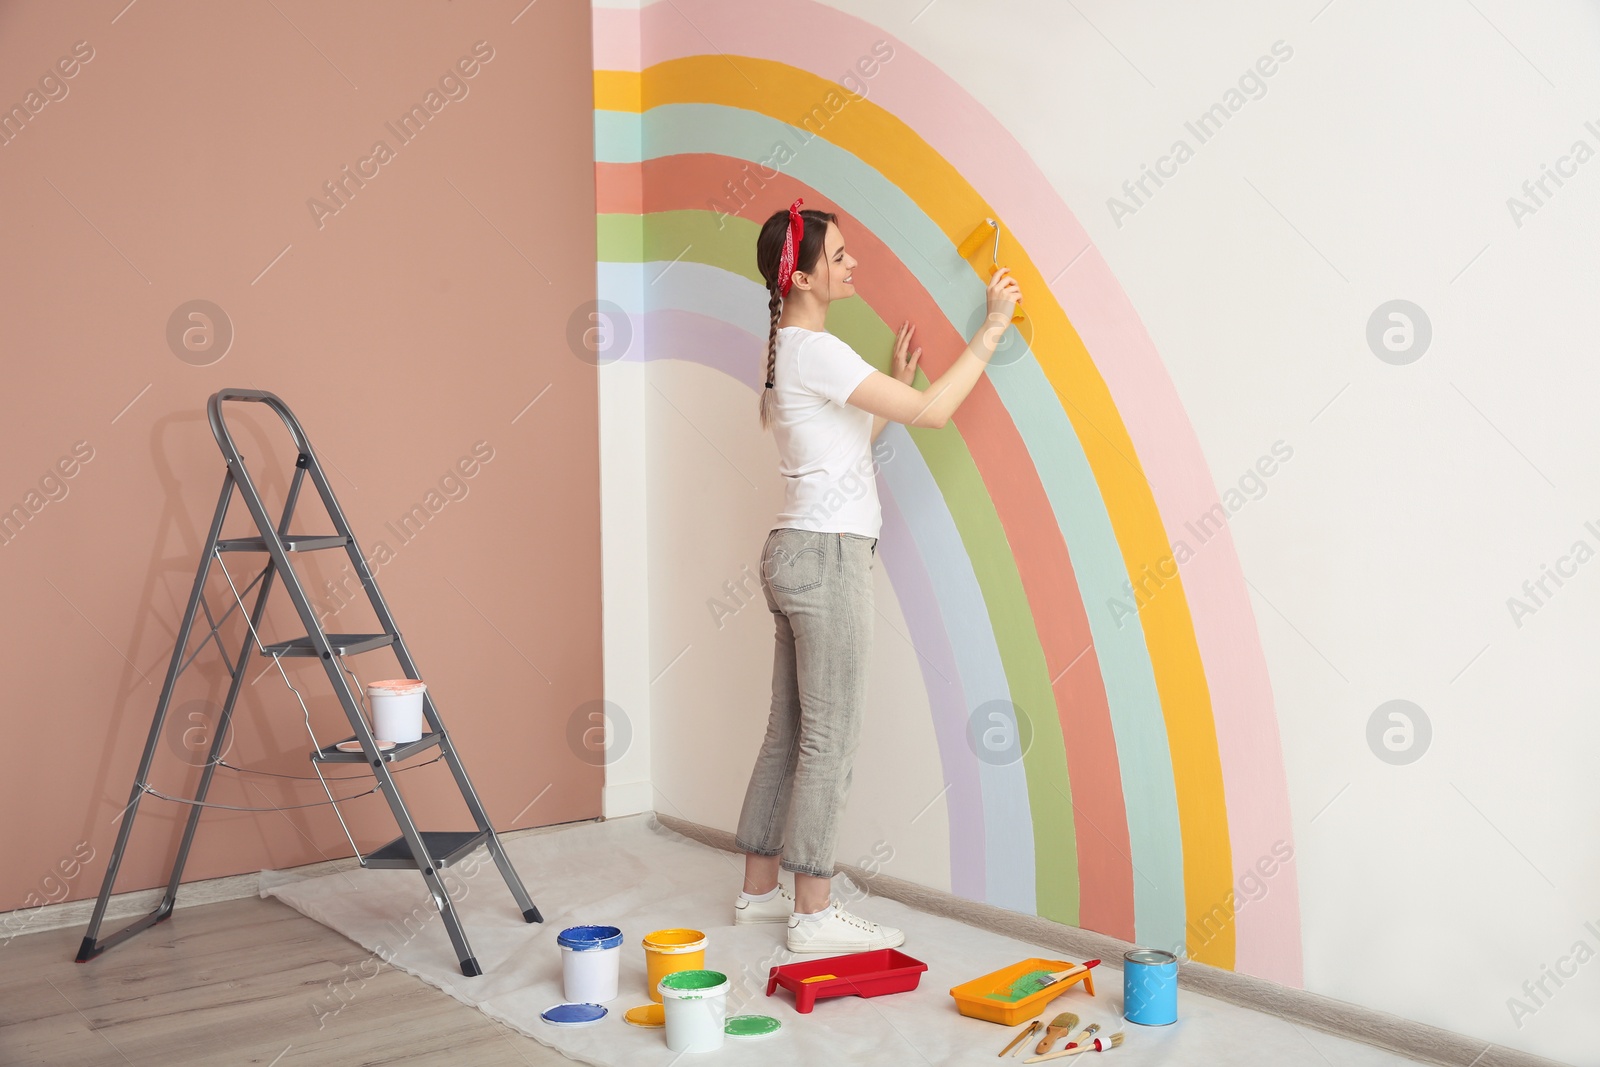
1154 782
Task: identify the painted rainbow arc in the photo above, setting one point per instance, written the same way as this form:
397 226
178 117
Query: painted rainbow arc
1155 779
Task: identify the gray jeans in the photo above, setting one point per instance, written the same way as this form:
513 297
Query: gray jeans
819 589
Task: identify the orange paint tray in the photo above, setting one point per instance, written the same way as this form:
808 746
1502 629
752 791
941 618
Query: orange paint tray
973 999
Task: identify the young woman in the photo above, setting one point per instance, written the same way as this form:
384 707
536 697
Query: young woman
825 406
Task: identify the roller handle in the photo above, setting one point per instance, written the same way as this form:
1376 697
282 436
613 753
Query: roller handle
1016 312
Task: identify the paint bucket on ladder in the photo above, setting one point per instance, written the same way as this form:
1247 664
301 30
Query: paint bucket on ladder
590 959
670 951
1150 987
696 1004
396 709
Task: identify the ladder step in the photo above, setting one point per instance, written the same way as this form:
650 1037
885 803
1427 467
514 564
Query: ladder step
342 645
291 542
331 754
447 847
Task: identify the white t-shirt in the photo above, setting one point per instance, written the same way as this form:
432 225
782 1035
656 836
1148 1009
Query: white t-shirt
824 444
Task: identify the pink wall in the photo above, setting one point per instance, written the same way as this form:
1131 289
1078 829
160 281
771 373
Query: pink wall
176 163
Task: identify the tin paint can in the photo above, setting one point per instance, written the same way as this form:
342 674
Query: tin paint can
1150 987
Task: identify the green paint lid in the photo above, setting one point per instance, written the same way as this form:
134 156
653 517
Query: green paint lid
751 1026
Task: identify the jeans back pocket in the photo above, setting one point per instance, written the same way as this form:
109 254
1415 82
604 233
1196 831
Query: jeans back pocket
795 564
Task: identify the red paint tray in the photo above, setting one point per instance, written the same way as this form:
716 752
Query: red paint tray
860 974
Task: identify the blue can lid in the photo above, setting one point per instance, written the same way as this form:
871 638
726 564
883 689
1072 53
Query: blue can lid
573 1014
586 938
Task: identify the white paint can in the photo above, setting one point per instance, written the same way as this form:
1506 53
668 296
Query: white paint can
696 1004
590 959
396 709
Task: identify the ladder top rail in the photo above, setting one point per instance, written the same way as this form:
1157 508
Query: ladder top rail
219 425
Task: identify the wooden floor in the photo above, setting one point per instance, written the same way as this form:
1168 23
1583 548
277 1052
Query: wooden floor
246 981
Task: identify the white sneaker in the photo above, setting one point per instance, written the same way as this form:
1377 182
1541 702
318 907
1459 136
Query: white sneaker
776 910
841 932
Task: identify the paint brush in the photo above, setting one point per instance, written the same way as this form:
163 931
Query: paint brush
1059 976
1097 1045
1027 1032
1059 1027
1083 1035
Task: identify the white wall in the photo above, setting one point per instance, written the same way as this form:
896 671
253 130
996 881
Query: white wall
624 535
1419 498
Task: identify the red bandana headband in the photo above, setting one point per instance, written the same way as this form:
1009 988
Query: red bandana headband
791 248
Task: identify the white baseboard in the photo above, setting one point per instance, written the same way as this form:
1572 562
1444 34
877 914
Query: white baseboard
627 798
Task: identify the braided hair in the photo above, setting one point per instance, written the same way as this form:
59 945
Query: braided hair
769 248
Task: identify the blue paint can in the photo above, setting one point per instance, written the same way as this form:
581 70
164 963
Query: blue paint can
1150 987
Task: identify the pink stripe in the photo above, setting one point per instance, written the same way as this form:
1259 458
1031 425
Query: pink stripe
827 43
616 38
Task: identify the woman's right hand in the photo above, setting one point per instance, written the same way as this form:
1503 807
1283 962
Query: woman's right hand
1003 294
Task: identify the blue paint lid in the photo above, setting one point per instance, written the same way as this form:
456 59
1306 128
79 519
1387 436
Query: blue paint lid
588 938
573 1014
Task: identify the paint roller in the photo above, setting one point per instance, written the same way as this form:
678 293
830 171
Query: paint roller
975 241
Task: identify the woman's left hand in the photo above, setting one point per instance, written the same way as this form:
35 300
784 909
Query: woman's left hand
904 367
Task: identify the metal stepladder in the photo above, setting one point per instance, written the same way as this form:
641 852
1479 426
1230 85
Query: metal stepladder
429 851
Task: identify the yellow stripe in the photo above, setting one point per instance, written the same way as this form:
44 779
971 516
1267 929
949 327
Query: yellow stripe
618 90
892 148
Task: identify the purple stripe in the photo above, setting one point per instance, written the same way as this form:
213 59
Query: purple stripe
913 588
697 338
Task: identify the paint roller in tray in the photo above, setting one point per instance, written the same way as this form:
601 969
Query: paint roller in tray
975 240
